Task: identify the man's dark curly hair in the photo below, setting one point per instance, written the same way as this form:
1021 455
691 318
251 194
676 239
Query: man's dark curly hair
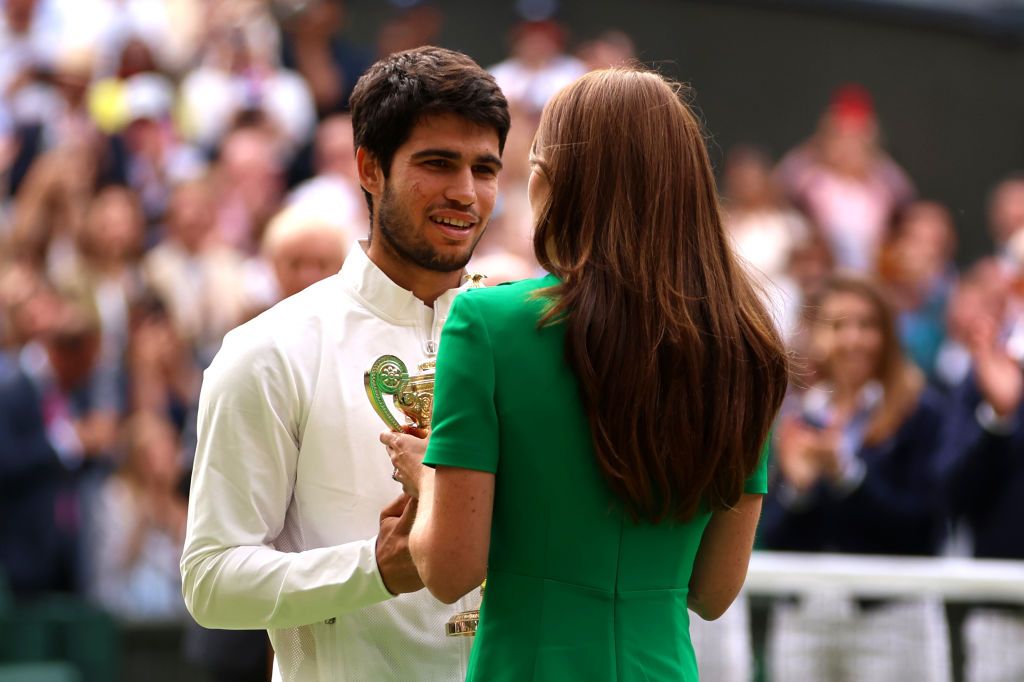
401 89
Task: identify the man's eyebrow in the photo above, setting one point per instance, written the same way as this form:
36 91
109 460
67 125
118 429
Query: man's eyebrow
443 153
490 159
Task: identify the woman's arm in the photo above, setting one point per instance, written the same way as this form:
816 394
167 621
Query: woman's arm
721 564
452 533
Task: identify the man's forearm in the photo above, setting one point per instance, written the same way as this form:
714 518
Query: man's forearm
242 588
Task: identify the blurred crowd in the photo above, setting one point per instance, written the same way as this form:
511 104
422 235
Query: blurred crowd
171 168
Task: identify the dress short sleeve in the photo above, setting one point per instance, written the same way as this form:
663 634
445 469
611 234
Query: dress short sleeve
757 483
465 421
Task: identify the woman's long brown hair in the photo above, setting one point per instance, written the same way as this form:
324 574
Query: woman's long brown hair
681 368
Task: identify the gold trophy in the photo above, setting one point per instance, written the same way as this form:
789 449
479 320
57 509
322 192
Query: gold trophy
413 396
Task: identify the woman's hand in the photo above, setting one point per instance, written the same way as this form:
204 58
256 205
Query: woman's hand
406 451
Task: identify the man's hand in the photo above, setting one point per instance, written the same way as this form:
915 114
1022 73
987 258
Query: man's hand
393 559
406 451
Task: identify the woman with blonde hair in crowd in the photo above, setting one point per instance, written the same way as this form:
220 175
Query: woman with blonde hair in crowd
598 432
854 455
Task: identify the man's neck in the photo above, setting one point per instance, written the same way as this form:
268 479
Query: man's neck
426 285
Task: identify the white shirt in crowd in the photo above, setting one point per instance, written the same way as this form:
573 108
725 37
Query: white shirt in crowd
290 479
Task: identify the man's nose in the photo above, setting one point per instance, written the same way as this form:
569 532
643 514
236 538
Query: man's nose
462 188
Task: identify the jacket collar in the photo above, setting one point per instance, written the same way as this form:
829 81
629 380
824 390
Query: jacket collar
375 290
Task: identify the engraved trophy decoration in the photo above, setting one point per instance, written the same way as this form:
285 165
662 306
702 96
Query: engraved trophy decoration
413 397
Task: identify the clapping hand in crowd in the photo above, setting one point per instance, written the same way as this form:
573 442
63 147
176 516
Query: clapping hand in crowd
807 454
998 375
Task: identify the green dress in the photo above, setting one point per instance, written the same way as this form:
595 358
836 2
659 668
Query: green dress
575 589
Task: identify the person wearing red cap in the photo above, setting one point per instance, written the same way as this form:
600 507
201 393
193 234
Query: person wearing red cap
844 180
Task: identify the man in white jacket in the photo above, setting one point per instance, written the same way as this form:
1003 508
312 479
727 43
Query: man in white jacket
295 524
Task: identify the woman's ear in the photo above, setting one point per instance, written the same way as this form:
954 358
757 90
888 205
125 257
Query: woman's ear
371 175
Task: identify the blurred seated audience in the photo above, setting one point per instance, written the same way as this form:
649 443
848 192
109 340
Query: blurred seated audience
854 459
51 428
917 268
137 527
845 182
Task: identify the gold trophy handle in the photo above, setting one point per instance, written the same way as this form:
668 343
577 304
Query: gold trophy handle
387 376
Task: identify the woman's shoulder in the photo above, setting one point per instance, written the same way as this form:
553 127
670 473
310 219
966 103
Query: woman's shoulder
509 296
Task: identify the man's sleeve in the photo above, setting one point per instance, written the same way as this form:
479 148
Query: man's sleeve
250 418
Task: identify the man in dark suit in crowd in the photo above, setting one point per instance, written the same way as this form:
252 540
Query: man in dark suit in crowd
48 429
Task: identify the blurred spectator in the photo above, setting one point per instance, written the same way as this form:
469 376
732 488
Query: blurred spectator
199 279
138 527
1006 211
918 269
51 206
611 48
314 48
538 66
27 50
240 79
982 474
845 182
30 307
163 374
505 252
49 427
153 156
248 183
335 188
105 275
415 25
980 293
854 457
764 230
304 247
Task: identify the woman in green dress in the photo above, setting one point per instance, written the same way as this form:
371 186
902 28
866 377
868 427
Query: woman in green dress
596 443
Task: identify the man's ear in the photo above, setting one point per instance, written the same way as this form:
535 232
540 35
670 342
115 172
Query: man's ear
371 175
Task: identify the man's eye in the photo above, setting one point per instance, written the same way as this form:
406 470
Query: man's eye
438 163
484 170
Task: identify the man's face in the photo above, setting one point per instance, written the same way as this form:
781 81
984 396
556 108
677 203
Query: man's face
436 202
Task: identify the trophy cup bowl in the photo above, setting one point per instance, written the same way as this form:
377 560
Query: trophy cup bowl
413 397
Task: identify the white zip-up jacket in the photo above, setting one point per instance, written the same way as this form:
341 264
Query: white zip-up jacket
290 478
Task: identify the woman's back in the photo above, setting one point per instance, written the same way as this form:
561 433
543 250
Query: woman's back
576 589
